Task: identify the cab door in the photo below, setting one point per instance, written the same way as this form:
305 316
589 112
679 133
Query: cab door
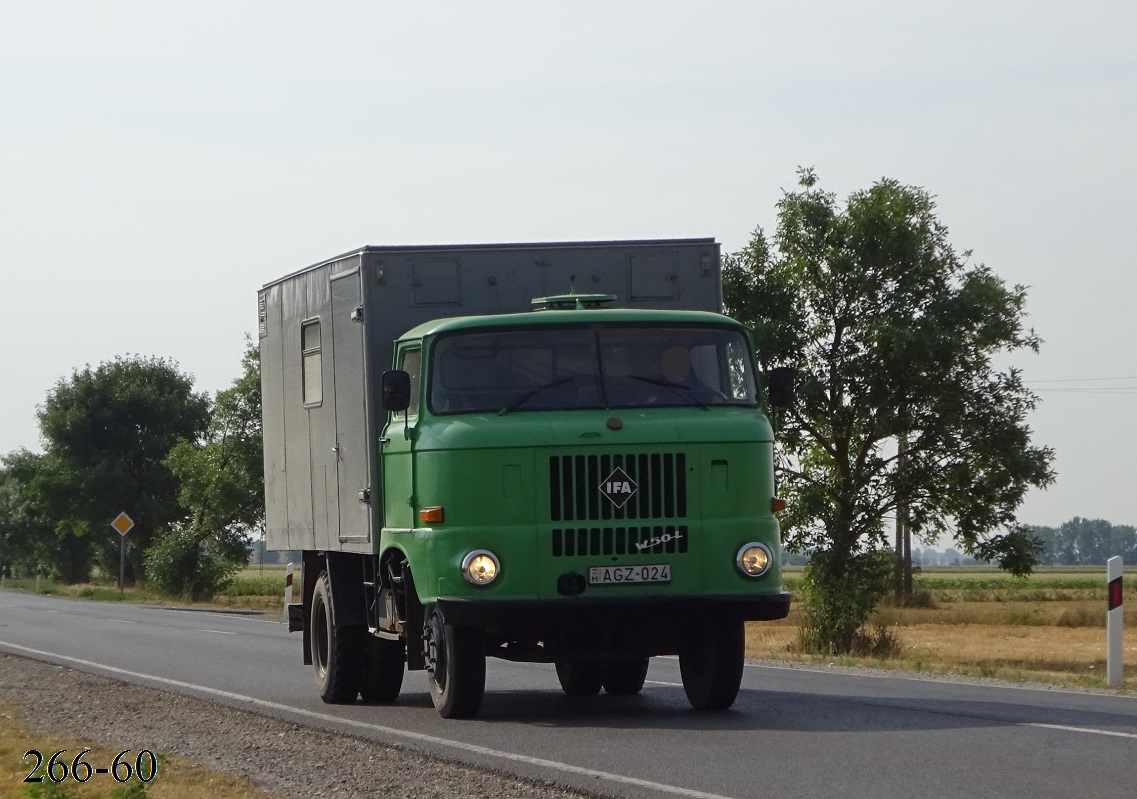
397 444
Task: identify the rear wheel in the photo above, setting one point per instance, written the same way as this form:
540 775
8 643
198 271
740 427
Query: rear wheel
580 677
337 652
385 668
711 665
455 667
625 677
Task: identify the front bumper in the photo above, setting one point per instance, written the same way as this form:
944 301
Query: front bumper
610 613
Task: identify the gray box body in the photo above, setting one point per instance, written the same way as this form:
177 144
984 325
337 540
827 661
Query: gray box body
321 457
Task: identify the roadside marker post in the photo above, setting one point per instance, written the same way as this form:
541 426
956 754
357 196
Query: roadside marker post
287 589
1114 624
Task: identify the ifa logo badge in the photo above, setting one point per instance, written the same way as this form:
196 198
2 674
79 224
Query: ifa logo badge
618 487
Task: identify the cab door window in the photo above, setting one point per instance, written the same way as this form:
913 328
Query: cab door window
411 363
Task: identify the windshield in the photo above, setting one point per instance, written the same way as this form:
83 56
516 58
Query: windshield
531 369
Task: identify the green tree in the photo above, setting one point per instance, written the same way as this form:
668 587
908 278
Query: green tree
107 433
221 482
32 535
20 547
1050 545
894 336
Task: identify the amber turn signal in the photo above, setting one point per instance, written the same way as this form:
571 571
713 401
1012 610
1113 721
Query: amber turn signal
777 505
433 514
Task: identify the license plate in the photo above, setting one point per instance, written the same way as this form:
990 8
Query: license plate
610 575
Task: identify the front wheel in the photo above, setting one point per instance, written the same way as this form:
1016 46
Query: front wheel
710 664
337 654
455 667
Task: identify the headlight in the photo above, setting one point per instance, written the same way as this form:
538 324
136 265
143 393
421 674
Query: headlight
754 559
480 567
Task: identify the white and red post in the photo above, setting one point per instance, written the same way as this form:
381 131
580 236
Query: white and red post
1114 623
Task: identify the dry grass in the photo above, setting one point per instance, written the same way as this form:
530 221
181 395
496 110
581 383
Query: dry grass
1055 642
176 779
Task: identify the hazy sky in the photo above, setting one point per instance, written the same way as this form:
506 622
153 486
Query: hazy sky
160 161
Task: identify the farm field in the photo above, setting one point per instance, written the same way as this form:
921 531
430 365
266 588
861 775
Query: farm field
980 622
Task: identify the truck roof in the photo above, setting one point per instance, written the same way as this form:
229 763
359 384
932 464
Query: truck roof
439 249
569 317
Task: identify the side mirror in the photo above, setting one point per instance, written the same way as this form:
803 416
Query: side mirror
396 390
780 386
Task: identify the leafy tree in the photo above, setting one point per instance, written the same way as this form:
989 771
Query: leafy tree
893 334
1123 542
107 433
31 534
18 544
222 486
1049 545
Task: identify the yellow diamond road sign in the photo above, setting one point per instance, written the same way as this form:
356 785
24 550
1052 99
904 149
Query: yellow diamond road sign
122 524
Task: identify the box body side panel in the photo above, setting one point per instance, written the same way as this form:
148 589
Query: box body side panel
272 417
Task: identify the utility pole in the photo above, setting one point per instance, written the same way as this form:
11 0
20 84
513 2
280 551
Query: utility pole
903 533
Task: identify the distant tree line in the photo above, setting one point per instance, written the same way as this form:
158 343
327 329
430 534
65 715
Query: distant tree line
1086 542
131 435
949 557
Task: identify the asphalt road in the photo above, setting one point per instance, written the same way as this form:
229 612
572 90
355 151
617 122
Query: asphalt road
794 732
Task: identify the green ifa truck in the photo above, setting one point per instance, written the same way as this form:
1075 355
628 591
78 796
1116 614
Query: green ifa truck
556 453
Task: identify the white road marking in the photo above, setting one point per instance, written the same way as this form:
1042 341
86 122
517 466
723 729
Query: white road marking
554 765
1090 730
1062 727
899 675
218 632
121 621
1039 725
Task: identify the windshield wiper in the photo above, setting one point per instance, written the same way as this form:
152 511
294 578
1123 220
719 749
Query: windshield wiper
525 397
678 388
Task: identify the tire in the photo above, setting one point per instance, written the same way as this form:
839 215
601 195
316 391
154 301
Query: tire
711 665
625 677
455 667
580 677
383 679
337 652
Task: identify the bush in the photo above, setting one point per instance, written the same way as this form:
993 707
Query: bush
840 594
184 564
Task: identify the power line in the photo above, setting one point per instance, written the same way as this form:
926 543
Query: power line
1079 380
1102 390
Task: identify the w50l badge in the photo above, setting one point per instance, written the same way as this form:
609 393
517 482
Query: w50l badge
618 487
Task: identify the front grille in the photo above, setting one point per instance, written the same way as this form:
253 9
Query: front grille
595 541
575 492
